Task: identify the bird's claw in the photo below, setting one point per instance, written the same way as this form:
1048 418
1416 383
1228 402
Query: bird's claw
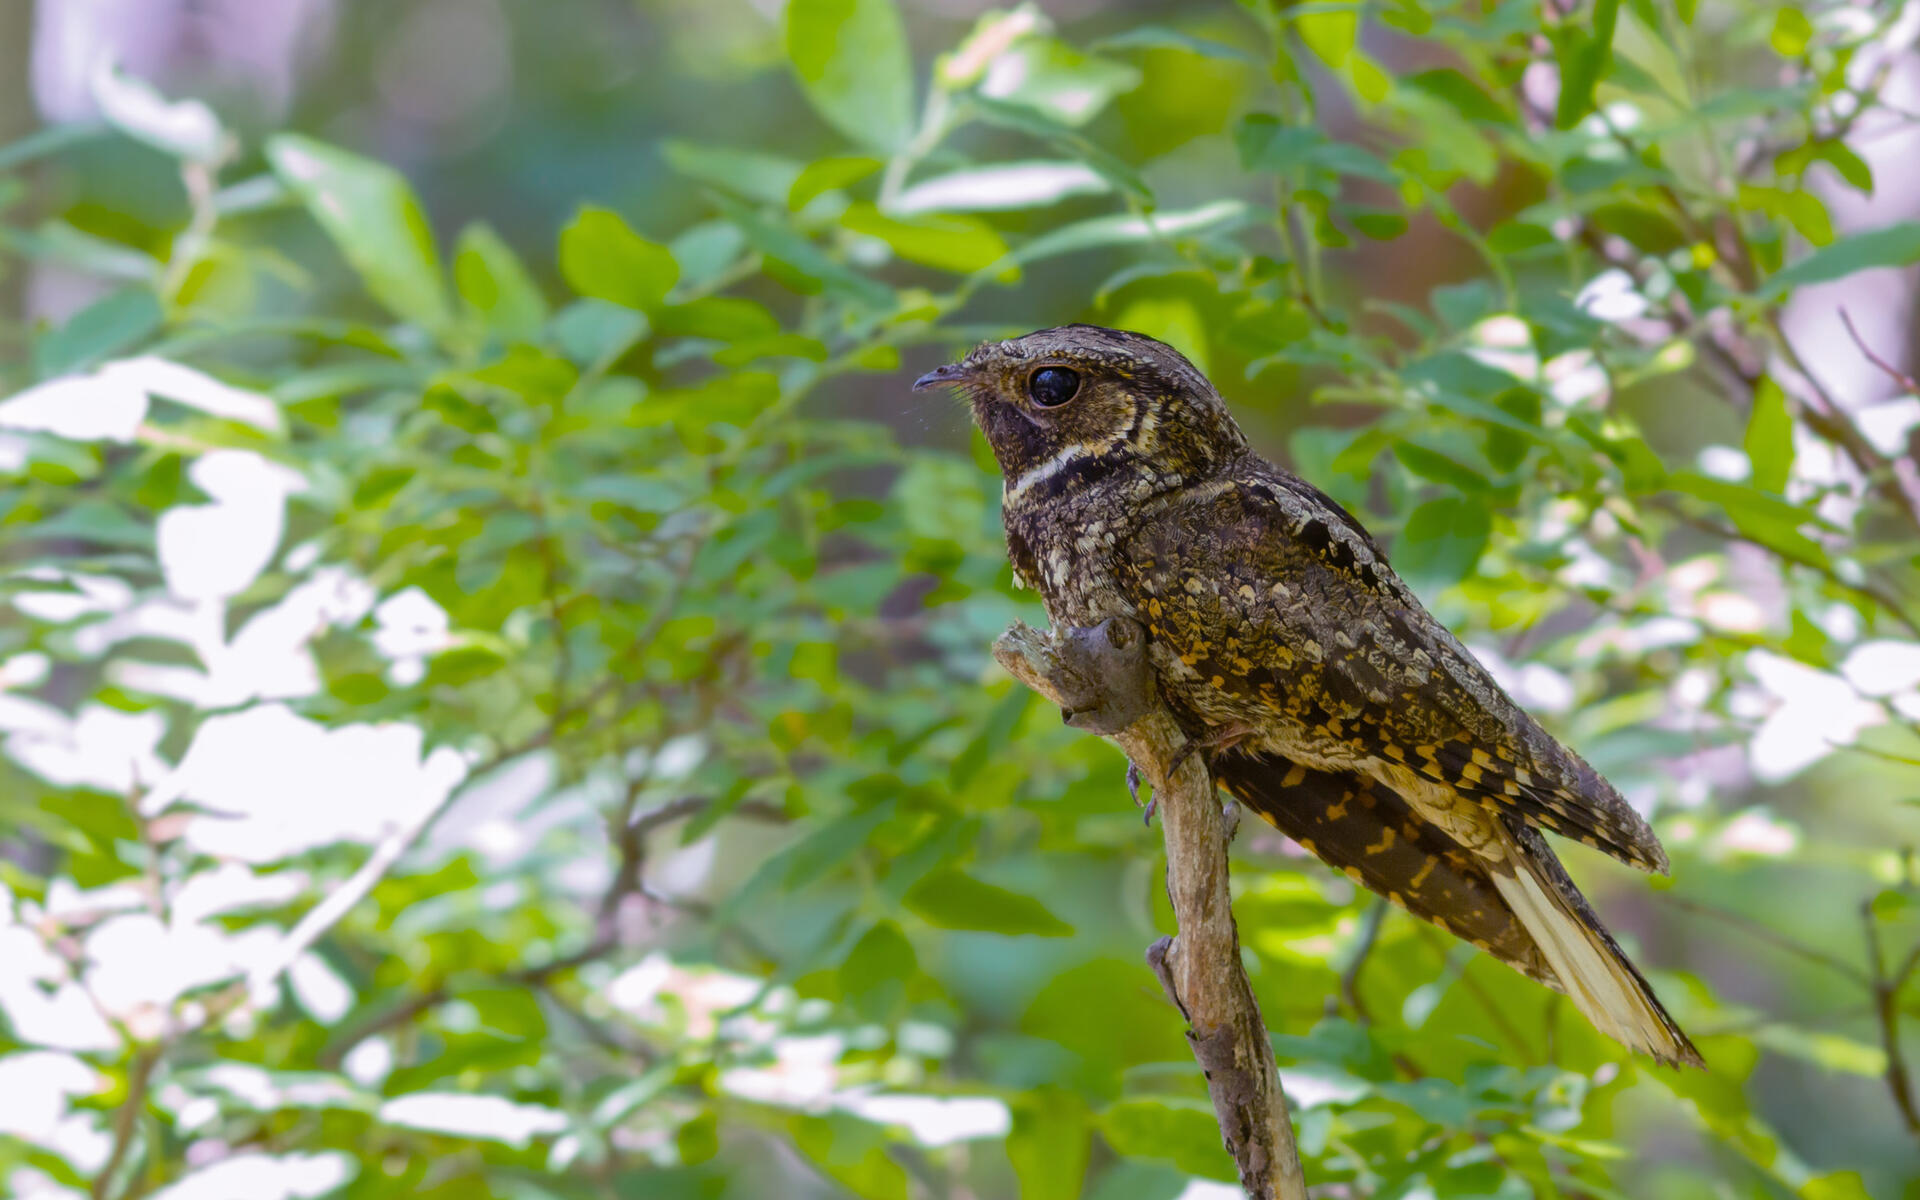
1193 746
1134 776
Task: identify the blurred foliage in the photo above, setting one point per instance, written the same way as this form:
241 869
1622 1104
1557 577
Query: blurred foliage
503 708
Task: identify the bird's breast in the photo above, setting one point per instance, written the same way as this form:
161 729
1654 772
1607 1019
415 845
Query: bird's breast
1070 556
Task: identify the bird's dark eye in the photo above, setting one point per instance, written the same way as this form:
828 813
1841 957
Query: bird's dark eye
1051 387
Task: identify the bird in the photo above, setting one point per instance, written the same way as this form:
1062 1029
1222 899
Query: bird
1321 692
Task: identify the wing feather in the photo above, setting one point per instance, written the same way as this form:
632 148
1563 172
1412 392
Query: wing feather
1287 604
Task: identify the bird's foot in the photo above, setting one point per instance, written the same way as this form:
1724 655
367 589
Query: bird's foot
1225 739
1134 776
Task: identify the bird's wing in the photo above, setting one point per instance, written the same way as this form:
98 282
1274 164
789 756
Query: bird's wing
1272 592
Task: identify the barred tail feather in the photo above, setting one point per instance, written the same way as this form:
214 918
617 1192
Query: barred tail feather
1591 968
1522 907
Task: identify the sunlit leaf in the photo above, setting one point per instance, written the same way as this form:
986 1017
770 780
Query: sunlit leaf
827 174
1118 230
604 259
1769 441
852 62
1005 186
370 212
951 243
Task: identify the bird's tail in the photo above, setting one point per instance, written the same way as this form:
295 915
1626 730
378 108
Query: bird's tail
1524 910
1590 966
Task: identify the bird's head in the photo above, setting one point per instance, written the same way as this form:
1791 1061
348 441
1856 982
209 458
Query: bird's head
1067 407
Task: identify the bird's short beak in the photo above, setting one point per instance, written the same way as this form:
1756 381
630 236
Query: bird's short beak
945 376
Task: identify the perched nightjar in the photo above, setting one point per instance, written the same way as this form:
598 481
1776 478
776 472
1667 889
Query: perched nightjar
1328 699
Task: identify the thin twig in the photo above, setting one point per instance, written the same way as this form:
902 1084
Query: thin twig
1886 1008
1830 419
127 1118
1350 978
1906 381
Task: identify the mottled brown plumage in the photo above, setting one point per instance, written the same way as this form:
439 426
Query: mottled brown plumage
1332 703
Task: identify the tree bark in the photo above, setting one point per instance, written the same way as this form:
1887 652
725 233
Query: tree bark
1102 682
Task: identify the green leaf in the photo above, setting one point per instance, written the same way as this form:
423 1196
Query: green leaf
597 331
1433 465
1893 246
602 258
826 175
1037 124
1379 225
852 62
1848 165
1002 187
1159 37
952 900
1467 98
831 845
1792 32
370 212
949 243
1050 1144
1268 144
810 267
1442 542
1769 440
496 286
724 318
1768 520
1122 229
882 955
1179 1131
852 1152
1329 32
1835 153
750 173
641 493
107 327
1173 320
1583 59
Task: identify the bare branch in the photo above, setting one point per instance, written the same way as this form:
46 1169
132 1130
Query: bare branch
1906 381
1100 679
324 915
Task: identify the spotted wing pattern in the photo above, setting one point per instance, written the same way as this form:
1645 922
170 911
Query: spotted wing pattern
1277 611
